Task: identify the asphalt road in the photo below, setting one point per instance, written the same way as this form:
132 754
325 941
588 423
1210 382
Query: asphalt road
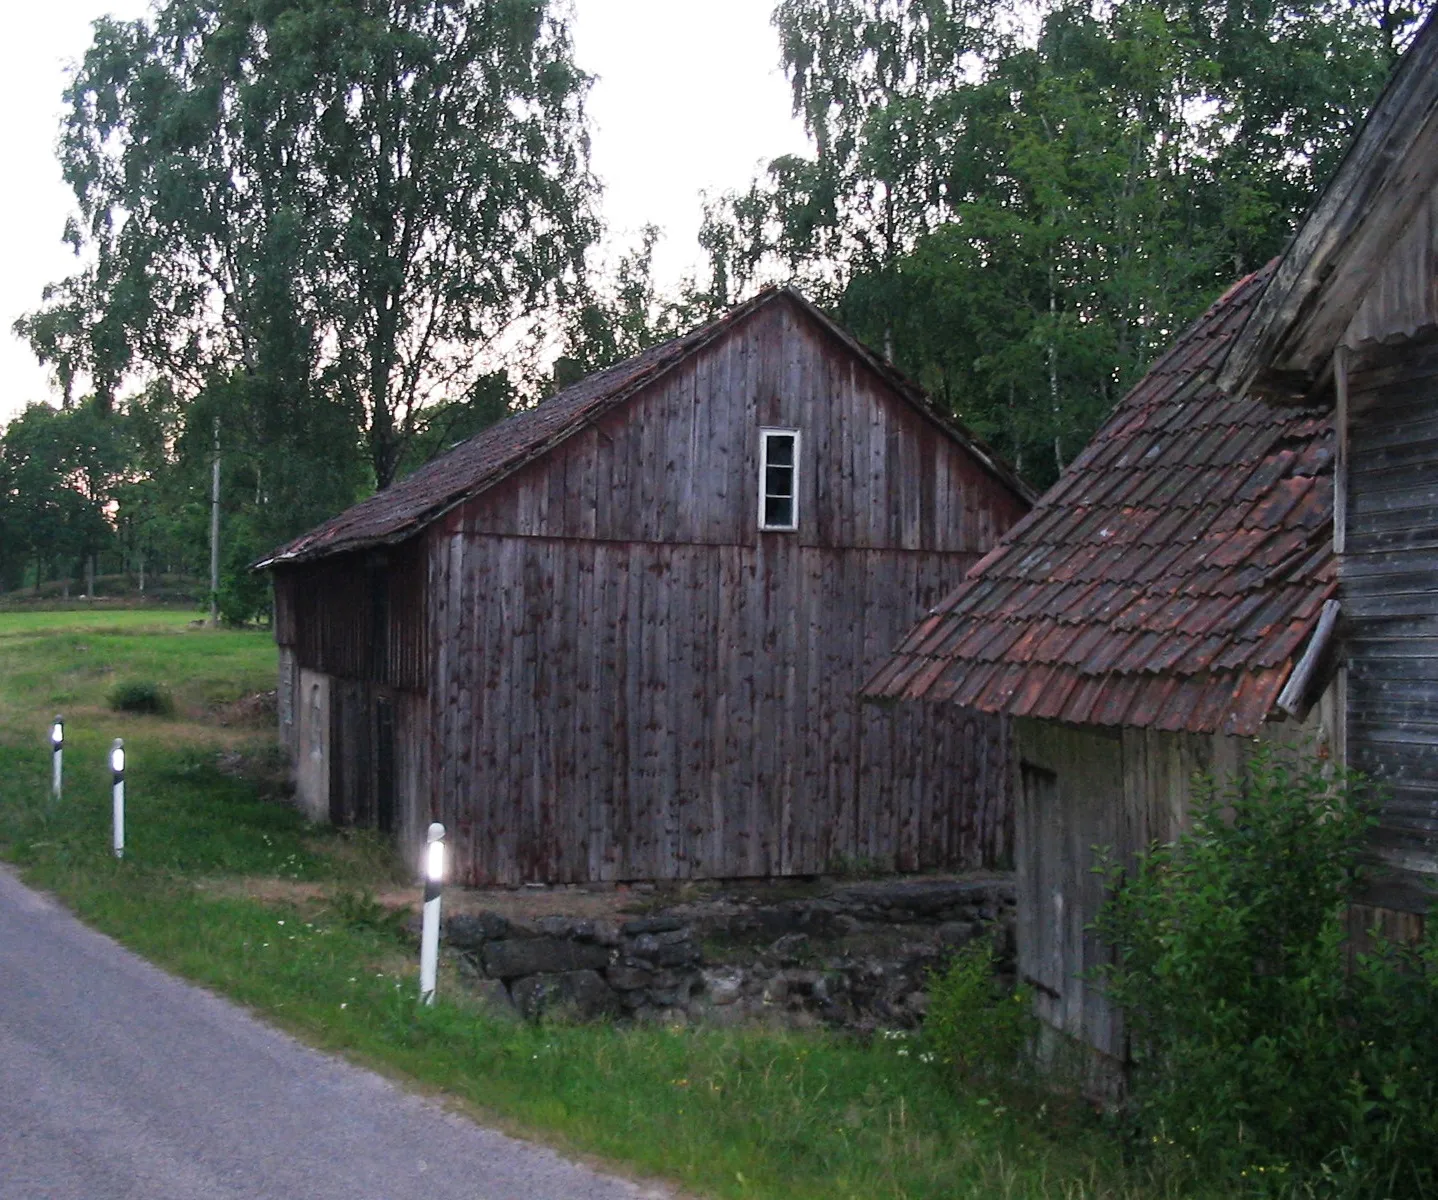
117 1081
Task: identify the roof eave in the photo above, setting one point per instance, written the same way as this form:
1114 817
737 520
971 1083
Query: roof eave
1375 191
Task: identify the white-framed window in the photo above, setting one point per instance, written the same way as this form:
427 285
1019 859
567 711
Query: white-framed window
779 479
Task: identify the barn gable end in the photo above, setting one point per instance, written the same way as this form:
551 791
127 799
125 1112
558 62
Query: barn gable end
624 676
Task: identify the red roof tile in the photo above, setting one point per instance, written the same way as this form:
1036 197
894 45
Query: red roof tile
1170 578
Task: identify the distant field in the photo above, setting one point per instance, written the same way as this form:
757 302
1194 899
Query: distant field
97 616
70 660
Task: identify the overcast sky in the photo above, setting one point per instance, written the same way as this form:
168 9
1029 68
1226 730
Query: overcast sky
689 98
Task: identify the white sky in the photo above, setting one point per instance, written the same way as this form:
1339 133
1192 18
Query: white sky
689 98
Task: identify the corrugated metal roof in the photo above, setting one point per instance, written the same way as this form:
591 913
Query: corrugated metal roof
408 505
1169 579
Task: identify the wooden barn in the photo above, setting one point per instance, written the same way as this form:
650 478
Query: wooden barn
620 635
1161 608
1350 322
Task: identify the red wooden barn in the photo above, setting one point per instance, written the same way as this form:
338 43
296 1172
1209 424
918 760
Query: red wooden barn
620 635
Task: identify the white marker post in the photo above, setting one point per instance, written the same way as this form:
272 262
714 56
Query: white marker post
117 778
429 931
57 755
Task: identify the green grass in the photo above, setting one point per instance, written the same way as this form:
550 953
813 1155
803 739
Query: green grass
96 617
723 1113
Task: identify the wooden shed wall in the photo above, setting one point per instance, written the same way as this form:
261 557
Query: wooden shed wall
1403 300
1389 574
1123 789
355 626
623 711
357 616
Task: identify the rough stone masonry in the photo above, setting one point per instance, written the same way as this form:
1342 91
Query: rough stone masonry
853 956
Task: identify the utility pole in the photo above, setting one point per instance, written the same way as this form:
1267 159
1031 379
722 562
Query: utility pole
215 534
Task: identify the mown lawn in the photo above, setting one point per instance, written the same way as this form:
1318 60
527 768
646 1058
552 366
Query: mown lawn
720 1113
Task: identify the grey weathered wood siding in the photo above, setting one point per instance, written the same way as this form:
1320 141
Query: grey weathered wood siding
1081 788
357 616
1389 574
679 464
630 680
357 625
1403 300
621 711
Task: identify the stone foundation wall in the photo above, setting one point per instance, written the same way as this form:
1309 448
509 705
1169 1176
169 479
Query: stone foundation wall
855 956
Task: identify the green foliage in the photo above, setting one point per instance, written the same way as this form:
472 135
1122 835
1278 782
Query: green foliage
976 1025
141 696
620 311
1023 204
342 207
59 472
244 595
1262 1057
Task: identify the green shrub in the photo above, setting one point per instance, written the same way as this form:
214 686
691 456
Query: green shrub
1260 1057
975 1024
141 696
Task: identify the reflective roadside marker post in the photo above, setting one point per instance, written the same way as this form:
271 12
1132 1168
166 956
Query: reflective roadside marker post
57 755
117 779
429 931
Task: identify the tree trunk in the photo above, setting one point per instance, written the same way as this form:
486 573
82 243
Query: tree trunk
1054 376
215 534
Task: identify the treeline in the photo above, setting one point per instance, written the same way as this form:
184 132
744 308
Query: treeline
333 242
1024 203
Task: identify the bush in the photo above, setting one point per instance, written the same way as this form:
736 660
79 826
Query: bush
974 1023
141 696
1260 1054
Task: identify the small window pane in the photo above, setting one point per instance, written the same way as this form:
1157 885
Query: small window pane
779 511
781 450
779 479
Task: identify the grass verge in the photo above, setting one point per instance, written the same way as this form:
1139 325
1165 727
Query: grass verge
723 1112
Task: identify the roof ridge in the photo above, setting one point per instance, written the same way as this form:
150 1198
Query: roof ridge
496 452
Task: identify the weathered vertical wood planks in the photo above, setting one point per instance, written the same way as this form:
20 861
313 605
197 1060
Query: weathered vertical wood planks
626 678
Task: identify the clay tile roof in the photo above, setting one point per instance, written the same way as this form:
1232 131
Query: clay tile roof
408 505
1170 578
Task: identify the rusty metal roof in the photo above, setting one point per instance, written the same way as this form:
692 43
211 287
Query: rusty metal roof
1169 579
408 505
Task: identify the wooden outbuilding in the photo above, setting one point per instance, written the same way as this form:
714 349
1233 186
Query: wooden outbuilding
1350 323
620 635
1142 624
1245 553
